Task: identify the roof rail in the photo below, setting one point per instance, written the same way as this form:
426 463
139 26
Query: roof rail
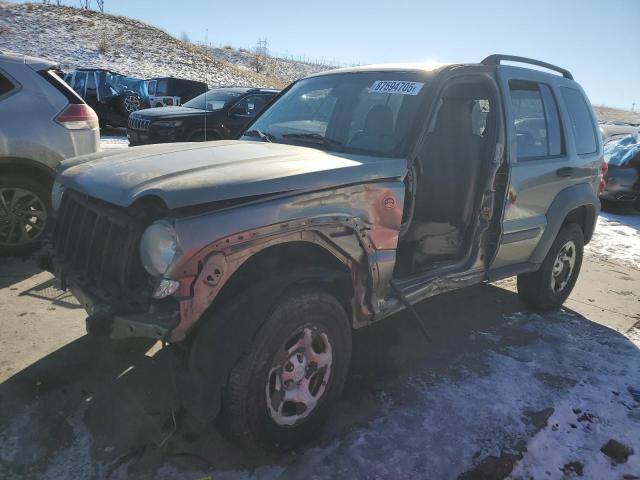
497 58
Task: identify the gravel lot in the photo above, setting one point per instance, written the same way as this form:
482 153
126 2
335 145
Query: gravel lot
500 392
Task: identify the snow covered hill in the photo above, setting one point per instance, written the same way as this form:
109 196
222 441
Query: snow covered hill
84 38
282 68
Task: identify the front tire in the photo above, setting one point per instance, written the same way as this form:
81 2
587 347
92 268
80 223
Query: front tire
25 214
281 390
549 287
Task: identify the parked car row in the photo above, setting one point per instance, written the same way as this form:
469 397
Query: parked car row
220 113
114 96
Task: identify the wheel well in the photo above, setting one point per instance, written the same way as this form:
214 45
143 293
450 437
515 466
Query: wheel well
279 260
585 217
19 168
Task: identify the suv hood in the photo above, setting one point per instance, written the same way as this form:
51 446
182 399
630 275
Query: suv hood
165 112
187 174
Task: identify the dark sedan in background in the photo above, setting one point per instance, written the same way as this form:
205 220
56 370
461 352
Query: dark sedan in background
622 171
220 113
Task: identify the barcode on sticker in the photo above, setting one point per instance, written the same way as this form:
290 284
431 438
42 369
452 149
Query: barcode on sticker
399 87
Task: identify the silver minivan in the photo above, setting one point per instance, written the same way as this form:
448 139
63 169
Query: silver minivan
42 122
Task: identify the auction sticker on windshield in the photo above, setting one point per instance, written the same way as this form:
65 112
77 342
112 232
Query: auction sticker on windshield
399 87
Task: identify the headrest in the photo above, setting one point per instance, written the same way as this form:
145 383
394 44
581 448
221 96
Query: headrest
379 121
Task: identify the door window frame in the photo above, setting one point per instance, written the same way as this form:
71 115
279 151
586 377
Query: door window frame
16 85
545 108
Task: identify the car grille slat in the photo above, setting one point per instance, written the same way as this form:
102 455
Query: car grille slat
138 123
95 245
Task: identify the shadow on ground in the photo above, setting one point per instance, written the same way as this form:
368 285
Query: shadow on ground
100 409
16 269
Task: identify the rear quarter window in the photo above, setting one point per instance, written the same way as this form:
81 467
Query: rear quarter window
581 121
6 85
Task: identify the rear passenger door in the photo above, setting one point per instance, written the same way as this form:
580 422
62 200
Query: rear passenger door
542 161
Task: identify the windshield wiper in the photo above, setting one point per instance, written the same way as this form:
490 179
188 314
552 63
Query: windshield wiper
314 136
265 137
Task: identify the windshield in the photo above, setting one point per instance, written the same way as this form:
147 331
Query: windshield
370 113
212 100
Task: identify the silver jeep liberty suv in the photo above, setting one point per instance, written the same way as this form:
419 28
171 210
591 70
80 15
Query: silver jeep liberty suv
356 193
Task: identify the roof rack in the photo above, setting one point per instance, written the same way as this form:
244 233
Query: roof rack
497 58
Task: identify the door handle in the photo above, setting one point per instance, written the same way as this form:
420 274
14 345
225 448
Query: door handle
565 171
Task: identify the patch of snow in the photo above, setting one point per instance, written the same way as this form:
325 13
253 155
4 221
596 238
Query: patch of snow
443 426
84 38
110 142
617 237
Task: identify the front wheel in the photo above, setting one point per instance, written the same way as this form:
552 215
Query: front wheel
281 390
549 287
25 214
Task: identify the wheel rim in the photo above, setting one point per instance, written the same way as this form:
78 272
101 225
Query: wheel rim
299 375
23 216
563 267
131 103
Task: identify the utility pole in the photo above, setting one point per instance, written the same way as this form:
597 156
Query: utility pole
206 37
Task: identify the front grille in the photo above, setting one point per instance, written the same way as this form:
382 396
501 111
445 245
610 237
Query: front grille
138 123
96 246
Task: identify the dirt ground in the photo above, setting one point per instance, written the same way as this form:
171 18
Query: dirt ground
78 407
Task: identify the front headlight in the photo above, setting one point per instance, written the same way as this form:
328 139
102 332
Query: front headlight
56 195
158 247
168 123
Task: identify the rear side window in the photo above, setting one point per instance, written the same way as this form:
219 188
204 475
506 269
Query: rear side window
581 122
536 120
5 85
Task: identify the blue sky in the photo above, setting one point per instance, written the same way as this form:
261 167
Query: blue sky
599 41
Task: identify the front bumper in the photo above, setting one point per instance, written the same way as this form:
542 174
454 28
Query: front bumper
101 322
153 135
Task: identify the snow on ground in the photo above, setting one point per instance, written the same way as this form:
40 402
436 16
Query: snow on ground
492 403
617 237
112 141
289 70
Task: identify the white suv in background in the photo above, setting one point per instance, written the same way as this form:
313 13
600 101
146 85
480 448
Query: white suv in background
42 122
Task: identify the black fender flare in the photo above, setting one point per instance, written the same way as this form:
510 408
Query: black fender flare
581 195
225 335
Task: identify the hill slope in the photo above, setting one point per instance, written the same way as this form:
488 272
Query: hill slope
84 38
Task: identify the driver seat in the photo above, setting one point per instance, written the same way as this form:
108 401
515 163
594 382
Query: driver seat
377 133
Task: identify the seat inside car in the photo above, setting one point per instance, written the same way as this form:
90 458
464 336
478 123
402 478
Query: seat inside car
450 174
377 133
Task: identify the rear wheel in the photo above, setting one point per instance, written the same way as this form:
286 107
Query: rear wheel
281 390
130 103
549 287
25 213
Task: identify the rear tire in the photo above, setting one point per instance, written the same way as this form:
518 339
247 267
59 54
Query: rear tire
548 288
25 214
129 103
301 352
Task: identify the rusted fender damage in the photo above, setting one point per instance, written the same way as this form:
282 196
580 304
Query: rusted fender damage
358 224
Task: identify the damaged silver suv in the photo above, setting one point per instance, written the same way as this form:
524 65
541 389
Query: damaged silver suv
355 194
